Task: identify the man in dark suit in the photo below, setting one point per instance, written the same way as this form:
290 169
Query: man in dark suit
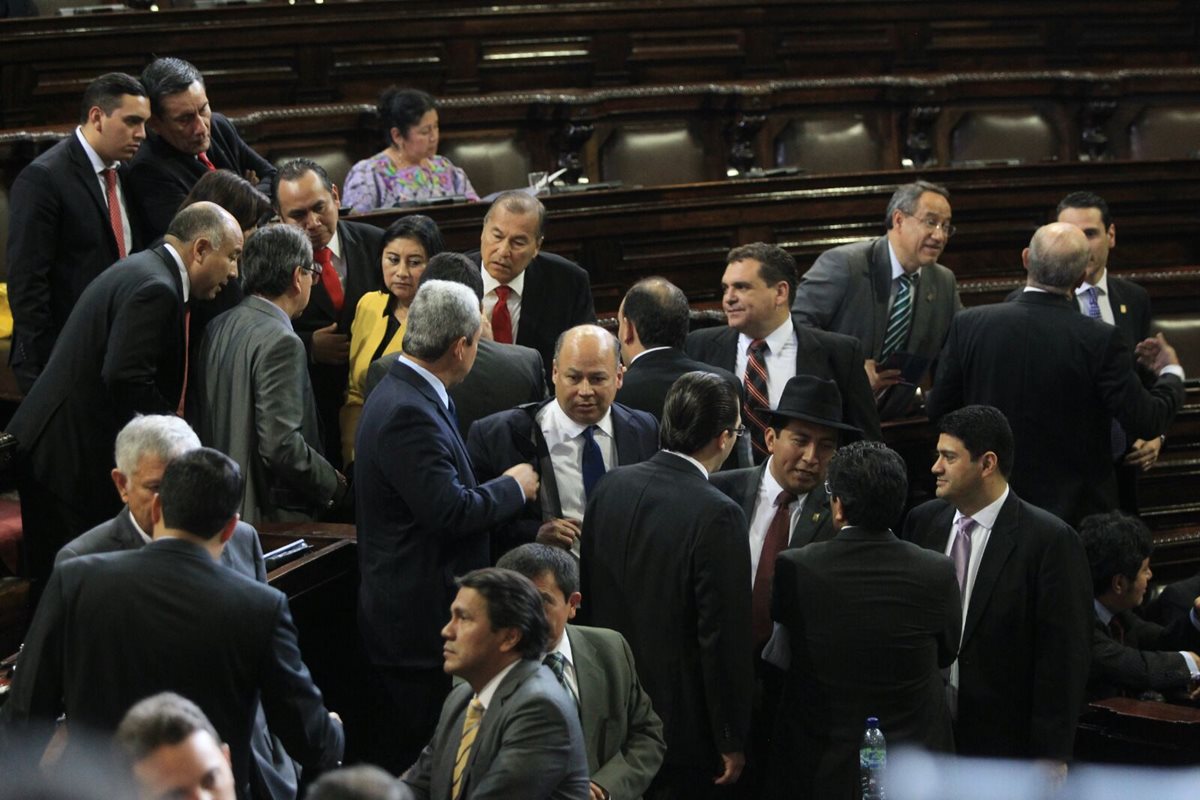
168 617
852 605
422 519
504 375
622 733
254 399
68 209
572 439
889 293
664 562
1060 377
1017 687
509 729
1129 654
765 347
543 294
349 254
187 139
122 352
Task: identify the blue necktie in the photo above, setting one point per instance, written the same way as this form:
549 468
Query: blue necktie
593 461
452 409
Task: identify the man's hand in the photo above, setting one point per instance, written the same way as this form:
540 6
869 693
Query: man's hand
597 792
329 346
333 715
1144 453
1155 353
251 176
880 379
733 764
527 477
559 532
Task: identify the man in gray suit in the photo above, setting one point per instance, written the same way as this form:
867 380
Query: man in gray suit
623 735
255 399
509 729
890 292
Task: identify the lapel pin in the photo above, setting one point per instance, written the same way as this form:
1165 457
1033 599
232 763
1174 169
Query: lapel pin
1123 311
817 516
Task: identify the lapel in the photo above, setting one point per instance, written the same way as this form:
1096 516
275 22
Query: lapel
494 720
532 297
442 774
724 352
999 548
748 498
879 273
812 516
1120 309
530 445
124 534
405 373
82 169
623 435
811 358
592 686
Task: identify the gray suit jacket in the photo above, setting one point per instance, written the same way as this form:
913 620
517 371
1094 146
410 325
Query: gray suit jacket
256 404
529 744
623 735
815 524
847 290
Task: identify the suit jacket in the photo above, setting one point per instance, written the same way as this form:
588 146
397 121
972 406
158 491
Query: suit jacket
622 734
59 240
529 744
505 439
168 617
1175 601
1147 658
255 404
831 356
651 376
125 357
422 519
557 296
1130 306
504 376
1023 659
850 605
1059 377
664 562
848 288
815 523
161 176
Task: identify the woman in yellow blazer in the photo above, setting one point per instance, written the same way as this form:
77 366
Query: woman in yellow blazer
378 327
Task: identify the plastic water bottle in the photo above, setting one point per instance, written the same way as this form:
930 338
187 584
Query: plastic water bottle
872 760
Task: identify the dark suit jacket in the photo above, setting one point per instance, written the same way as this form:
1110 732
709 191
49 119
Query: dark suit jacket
1175 602
557 296
1059 377
125 357
168 617
161 176
503 440
59 240
872 620
831 356
1130 306
529 744
651 376
1023 660
422 519
814 524
504 376
664 561
1147 658
621 732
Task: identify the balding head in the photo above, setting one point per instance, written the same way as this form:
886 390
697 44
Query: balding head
209 240
587 373
1056 257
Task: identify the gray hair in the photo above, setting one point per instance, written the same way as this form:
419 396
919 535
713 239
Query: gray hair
202 220
908 197
522 203
1058 256
441 313
163 435
271 256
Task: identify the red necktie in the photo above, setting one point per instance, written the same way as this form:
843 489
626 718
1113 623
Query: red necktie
501 321
329 278
114 209
187 342
203 158
758 404
774 543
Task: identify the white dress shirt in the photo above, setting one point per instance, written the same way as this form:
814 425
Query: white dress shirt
99 166
564 440
764 512
564 647
780 359
489 689
490 297
183 273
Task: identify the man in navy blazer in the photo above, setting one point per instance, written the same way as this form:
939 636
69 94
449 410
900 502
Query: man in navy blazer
422 519
61 234
554 436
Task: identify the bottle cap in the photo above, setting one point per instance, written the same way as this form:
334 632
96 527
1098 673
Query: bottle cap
872 722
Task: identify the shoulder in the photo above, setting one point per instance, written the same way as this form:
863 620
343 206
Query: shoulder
371 303
634 418
1128 289
712 336
734 478
928 511
361 231
551 266
1035 522
939 273
513 419
853 251
838 343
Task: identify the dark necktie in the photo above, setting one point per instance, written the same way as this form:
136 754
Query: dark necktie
501 319
758 402
329 278
114 209
773 544
1116 630
900 320
592 465
960 551
208 165
187 346
557 663
453 409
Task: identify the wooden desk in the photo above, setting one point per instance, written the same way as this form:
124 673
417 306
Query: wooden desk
1121 730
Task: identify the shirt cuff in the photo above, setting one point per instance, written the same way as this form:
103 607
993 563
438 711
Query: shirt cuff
1172 369
1191 662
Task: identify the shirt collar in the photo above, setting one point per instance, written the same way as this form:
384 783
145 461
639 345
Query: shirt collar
430 378
489 689
335 244
686 457
517 284
897 268
569 428
183 273
647 350
776 340
97 162
1101 611
1101 285
145 536
564 647
268 304
986 516
770 487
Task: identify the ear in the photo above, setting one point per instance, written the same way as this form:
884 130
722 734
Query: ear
297 277
573 604
1112 235
512 638
96 117
225 752
460 348
122 483
395 136
1119 585
781 293
1025 259
227 531
337 200
619 378
989 462
156 512
769 439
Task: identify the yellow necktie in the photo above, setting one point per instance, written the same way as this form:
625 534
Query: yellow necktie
470 728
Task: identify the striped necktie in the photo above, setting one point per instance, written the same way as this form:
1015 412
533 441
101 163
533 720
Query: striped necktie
900 320
758 403
470 729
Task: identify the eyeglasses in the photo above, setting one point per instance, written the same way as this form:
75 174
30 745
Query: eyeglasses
315 269
932 224
739 431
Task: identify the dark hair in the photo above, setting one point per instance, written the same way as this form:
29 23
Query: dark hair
1116 544
233 193
360 782
417 227
160 720
270 258
163 77
775 264
658 310
534 559
871 481
201 490
982 428
906 198
521 203
698 407
513 602
402 109
294 170
1085 200
456 268
107 92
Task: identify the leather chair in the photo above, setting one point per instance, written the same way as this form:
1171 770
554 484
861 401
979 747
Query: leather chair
830 143
492 164
1183 332
334 160
1165 133
654 156
1021 135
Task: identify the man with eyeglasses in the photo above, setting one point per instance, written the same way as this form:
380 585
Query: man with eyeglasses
254 398
889 293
